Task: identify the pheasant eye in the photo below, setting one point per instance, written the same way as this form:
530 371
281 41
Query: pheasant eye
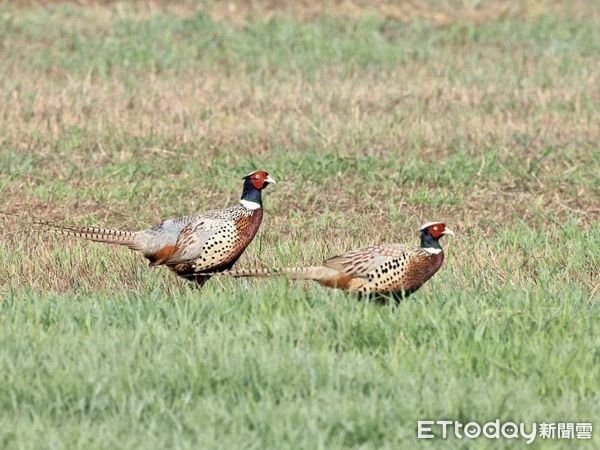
435 228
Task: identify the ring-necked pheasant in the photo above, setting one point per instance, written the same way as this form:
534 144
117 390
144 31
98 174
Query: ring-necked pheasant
374 271
195 246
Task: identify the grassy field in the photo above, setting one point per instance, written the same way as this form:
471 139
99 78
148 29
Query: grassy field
373 120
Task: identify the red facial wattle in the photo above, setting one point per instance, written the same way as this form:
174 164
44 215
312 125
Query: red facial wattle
435 231
258 181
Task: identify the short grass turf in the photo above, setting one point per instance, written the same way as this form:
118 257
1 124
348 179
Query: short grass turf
373 120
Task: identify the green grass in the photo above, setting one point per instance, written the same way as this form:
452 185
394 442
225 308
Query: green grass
122 116
273 366
166 42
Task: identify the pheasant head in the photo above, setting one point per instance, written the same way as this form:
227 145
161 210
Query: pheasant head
431 233
254 183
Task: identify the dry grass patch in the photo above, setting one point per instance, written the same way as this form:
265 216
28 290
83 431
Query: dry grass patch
241 11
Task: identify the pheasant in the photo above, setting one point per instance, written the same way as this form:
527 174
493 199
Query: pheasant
195 246
376 271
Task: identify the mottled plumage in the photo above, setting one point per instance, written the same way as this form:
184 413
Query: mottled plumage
387 269
214 241
374 271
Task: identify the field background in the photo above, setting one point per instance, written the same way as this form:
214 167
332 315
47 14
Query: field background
374 118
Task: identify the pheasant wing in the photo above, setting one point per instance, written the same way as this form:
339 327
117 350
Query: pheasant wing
359 263
206 243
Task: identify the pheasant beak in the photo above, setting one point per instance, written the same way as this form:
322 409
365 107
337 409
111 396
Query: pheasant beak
270 180
448 231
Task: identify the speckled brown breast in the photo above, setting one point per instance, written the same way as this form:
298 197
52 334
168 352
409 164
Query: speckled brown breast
224 249
247 227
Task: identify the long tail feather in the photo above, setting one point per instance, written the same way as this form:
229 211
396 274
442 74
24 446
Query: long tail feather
326 276
317 273
96 234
